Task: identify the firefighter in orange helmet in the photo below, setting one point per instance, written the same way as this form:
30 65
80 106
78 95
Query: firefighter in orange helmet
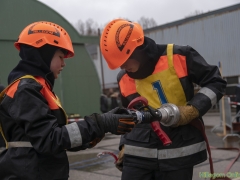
162 73
33 122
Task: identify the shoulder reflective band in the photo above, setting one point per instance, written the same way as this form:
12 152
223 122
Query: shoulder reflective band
210 94
74 134
164 153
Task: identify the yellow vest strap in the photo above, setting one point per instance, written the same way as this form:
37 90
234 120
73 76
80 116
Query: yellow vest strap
170 54
1 98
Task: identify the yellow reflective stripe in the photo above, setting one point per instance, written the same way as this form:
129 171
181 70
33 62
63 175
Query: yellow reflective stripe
164 153
58 102
170 54
1 131
2 94
3 91
28 76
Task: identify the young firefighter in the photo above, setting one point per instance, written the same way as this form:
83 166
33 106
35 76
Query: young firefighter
33 122
162 73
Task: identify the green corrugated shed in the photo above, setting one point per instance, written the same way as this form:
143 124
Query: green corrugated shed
78 87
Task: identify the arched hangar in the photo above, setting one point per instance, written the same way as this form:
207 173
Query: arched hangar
78 87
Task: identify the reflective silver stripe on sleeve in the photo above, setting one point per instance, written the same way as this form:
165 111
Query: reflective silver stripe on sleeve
209 93
182 151
164 153
74 134
16 144
140 151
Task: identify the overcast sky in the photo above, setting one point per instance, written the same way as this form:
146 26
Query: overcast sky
162 11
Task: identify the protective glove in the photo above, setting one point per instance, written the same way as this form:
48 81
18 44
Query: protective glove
92 144
117 121
95 142
119 163
187 114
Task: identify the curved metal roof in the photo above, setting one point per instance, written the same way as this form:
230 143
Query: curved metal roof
215 35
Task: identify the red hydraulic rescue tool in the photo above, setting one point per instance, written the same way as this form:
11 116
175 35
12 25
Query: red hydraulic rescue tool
167 115
155 119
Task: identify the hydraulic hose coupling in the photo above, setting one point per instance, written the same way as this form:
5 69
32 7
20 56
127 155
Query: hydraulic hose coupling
170 114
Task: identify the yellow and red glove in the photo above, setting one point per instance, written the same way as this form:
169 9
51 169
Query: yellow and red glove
187 114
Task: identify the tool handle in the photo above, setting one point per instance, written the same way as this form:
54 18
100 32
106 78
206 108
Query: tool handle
160 133
138 100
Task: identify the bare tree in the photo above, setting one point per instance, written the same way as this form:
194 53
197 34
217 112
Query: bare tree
195 13
147 22
80 27
90 28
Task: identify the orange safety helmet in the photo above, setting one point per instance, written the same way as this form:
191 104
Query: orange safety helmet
118 41
40 33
